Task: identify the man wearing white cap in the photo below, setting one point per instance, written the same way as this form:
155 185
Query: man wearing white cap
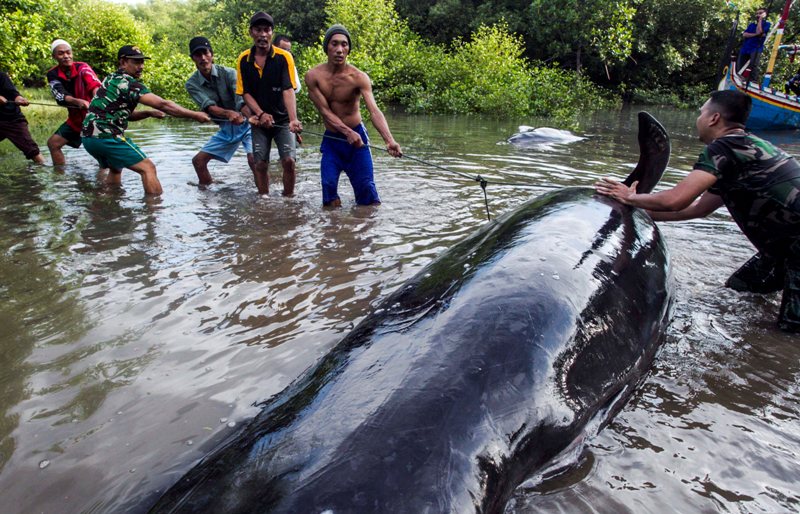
73 85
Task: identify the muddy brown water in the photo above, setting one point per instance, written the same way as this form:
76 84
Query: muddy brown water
136 332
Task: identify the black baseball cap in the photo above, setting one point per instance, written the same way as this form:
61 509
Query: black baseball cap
130 52
199 43
261 18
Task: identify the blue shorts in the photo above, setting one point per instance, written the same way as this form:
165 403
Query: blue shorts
226 141
338 156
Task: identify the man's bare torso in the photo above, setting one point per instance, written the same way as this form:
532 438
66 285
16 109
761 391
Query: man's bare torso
342 90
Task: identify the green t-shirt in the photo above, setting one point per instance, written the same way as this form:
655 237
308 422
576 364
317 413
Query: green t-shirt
113 104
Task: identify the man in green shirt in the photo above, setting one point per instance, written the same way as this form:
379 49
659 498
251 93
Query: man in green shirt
103 133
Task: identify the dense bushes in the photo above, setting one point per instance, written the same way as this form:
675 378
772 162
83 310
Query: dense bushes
484 73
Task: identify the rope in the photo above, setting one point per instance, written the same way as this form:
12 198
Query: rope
48 105
483 182
476 178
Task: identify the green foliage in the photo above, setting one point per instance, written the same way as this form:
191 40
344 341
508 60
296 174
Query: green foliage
583 32
173 23
96 31
611 31
22 23
688 97
504 57
487 73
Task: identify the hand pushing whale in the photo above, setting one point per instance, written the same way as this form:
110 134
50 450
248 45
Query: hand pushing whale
471 376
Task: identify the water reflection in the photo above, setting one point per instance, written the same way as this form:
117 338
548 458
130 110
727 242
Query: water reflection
132 328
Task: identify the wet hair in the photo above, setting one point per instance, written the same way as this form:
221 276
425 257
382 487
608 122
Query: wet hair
733 106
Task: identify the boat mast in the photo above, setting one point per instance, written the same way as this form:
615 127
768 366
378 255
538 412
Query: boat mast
777 43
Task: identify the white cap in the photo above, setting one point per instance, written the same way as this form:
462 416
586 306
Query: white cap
57 43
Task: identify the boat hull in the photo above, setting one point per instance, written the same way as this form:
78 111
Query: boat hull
772 109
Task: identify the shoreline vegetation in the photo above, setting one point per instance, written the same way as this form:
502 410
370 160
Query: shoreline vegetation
494 58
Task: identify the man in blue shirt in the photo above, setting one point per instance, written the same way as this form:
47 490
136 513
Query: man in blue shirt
213 89
754 37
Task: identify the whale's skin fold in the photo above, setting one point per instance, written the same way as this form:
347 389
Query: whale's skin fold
466 380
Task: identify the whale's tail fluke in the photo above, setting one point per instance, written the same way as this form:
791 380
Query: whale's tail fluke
654 151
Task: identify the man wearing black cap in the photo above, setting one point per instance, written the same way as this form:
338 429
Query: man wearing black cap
336 89
266 81
213 88
103 133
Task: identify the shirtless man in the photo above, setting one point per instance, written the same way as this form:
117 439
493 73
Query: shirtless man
336 88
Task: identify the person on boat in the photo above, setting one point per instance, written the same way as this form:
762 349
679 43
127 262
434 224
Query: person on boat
113 106
213 89
754 36
336 89
756 181
266 81
13 124
793 85
73 85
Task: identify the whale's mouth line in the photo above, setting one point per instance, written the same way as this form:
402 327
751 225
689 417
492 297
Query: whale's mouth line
574 455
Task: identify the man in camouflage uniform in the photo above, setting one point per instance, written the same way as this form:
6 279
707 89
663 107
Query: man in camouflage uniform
103 133
757 182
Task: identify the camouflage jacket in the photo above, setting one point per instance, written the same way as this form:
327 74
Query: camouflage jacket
760 185
112 105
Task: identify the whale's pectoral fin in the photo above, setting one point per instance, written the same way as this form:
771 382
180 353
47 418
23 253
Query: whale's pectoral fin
654 151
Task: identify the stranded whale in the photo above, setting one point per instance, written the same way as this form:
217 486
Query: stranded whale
471 376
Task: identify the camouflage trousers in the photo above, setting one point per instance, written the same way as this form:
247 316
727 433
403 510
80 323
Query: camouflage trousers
767 274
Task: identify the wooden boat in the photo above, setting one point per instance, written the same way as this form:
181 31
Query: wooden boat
772 109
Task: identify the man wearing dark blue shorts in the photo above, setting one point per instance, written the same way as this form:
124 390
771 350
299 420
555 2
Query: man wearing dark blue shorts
336 89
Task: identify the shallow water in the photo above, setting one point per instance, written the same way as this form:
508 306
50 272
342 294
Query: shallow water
138 332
